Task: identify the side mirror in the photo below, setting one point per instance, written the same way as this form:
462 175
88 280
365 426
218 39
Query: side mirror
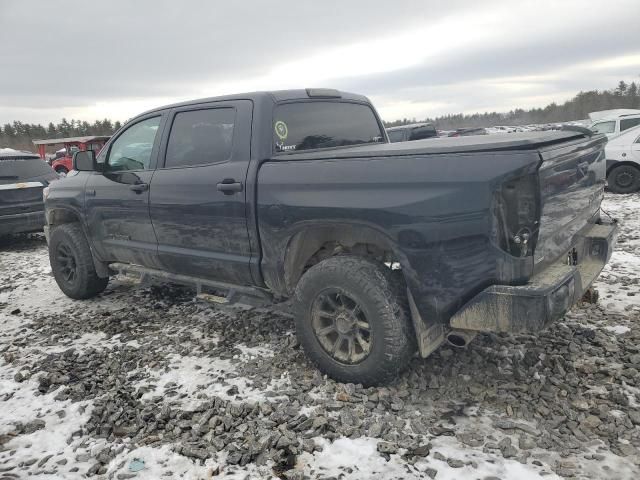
84 161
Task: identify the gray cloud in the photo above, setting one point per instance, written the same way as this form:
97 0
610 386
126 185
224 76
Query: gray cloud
68 55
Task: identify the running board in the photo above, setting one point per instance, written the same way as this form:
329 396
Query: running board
225 293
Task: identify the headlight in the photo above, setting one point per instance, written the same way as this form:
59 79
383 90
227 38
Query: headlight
45 193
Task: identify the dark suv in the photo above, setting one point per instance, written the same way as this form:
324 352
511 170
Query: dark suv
23 175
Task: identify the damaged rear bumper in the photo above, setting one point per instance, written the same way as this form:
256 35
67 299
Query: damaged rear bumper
547 296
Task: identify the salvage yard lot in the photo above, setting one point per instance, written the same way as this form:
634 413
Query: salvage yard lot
149 379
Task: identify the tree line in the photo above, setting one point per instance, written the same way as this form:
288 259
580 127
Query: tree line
20 135
578 108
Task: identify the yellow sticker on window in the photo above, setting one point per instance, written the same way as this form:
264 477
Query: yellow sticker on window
281 130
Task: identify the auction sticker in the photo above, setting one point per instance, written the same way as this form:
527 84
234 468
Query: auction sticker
281 130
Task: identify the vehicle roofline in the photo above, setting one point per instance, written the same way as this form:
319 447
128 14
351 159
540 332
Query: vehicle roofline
275 96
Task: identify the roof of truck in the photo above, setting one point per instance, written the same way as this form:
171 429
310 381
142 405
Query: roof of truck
275 96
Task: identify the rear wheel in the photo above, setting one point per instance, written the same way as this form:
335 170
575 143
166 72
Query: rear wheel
72 263
352 320
62 171
624 179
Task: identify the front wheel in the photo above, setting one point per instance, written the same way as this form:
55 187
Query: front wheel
72 263
352 320
624 179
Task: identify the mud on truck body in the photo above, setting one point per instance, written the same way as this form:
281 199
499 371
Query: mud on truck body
384 249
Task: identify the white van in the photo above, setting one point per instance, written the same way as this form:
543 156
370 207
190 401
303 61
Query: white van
612 126
623 161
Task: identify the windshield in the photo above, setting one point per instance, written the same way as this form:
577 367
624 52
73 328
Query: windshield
604 127
309 125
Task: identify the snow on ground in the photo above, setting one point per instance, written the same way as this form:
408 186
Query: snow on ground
57 437
187 379
619 282
360 459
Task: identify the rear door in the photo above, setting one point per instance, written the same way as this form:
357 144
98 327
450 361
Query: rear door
198 194
117 198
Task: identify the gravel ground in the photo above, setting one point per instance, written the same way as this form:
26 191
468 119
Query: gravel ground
148 382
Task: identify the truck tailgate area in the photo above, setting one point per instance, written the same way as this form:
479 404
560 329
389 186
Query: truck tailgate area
572 178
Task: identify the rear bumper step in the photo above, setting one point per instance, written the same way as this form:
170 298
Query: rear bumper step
547 296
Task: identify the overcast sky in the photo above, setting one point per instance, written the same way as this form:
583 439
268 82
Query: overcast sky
88 59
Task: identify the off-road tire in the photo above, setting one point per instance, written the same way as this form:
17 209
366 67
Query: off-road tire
86 282
631 175
381 294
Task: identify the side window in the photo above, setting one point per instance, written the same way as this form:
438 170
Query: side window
423 132
628 123
604 127
396 136
132 149
199 137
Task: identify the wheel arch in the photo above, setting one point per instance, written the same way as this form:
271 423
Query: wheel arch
618 163
62 215
316 243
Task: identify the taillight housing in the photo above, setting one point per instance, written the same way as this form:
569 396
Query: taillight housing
516 216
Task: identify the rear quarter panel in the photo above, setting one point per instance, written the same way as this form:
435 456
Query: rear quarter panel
434 210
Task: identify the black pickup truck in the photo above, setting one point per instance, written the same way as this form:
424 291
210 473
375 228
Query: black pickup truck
383 248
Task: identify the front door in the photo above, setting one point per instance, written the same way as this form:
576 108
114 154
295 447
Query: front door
198 193
117 198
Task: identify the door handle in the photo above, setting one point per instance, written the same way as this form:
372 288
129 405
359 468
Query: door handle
229 186
140 187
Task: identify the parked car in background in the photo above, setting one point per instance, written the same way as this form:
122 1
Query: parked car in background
62 162
23 175
613 126
413 131
623 161
466 132
383 248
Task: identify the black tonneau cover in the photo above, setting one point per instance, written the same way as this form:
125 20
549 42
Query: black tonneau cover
478 143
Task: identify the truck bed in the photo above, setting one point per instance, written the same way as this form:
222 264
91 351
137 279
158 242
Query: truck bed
471 144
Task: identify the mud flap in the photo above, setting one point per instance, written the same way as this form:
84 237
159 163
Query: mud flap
430 335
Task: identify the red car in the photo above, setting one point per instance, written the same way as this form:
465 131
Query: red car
64 163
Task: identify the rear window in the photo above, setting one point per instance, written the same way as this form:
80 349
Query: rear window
310 125
14 170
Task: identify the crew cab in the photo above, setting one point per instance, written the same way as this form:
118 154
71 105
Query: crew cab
382 248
